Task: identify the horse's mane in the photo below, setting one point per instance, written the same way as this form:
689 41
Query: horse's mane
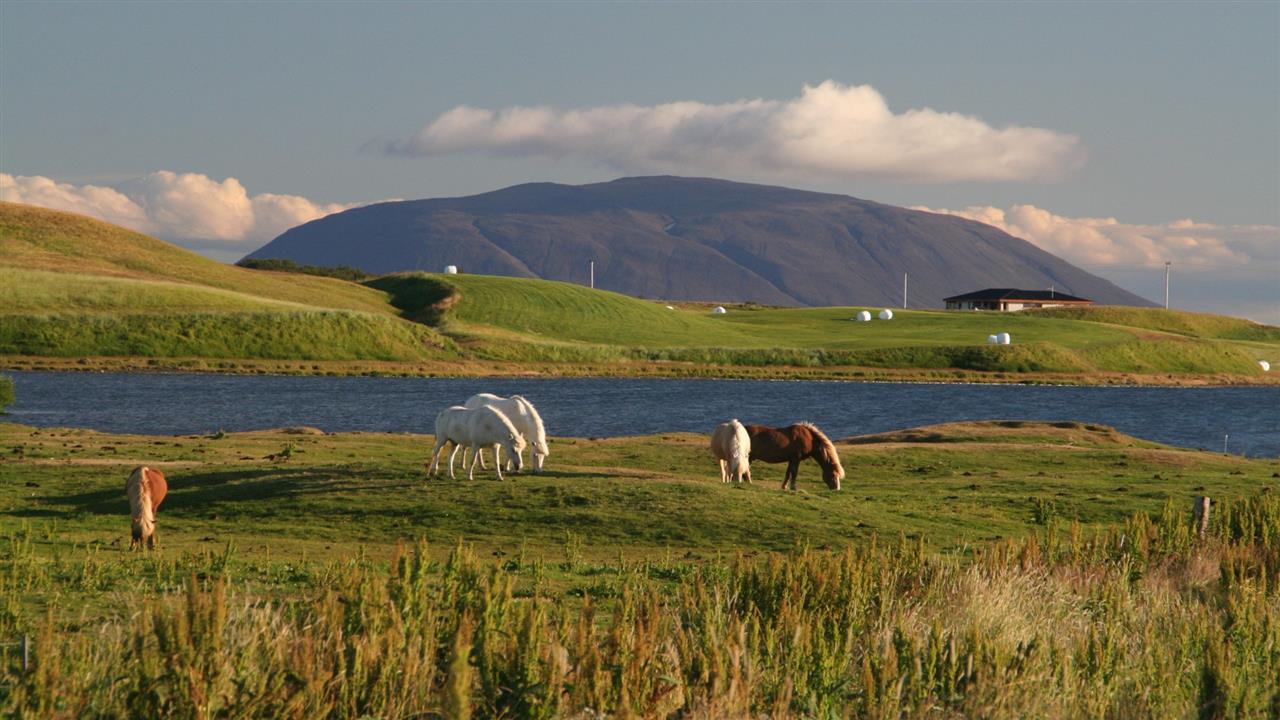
539 442
506 423
828 448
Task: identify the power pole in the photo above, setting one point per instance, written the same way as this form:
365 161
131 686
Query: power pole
1166 284
593 278
904 291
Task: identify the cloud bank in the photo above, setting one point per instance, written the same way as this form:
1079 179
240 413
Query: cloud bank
831 131
188 208
1109 242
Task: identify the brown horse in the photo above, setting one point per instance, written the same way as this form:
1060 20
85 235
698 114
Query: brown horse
146 488
792 444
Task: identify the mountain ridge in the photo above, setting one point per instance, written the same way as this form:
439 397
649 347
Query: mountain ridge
683 238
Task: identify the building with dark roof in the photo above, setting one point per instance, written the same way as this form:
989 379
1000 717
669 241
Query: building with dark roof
1005 299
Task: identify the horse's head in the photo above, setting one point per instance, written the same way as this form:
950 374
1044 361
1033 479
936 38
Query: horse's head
540 453
831 474
515 445
832 470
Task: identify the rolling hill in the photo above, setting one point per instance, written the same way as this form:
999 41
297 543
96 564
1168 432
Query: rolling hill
75 288
693 239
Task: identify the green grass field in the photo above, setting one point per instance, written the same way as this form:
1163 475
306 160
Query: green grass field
519 319
987 569
75 290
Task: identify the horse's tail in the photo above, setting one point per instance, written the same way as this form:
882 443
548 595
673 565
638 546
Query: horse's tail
141 511
828 449
539 438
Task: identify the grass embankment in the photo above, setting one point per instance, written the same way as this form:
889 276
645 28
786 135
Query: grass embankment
82 290
992 569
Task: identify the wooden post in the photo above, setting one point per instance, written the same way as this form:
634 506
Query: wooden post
1200 513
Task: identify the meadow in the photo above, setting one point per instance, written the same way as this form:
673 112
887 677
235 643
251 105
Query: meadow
999 569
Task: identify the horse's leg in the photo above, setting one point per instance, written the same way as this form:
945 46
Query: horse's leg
435 458
464 460
480 453
497 464
453 454
793 469
474 454
724 476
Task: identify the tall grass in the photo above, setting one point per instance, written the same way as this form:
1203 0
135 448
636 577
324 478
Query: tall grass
1144 620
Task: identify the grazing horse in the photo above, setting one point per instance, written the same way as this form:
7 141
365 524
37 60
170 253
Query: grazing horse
792 444
474 429
732 447
526 419
146 488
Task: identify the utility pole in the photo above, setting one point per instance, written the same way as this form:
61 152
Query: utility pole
593 279
904 291
1166 284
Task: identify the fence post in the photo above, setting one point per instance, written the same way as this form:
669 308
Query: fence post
26 653
1200 513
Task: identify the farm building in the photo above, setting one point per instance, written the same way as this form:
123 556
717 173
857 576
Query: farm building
1006 299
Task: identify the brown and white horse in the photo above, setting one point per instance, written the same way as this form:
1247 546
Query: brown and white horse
146 488
792 444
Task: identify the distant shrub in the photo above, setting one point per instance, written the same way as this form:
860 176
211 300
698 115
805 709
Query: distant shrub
6 392
342 272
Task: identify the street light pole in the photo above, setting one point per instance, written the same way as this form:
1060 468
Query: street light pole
1166 284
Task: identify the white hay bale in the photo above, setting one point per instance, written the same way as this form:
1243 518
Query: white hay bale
450 269
992 339
1266 366
863 316
1003 339
886 314
719 310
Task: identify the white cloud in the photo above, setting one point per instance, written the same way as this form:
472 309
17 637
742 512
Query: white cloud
188 208
831 131
1108 242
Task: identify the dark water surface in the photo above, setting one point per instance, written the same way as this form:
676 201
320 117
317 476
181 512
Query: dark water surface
591 407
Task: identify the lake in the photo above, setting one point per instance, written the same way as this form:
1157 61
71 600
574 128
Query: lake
182 404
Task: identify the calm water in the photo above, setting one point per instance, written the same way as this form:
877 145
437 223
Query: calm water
188 404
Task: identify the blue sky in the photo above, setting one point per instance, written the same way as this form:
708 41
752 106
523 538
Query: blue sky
1113 135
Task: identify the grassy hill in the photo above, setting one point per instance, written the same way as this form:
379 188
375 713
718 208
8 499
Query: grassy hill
1045 570
524 319
73 287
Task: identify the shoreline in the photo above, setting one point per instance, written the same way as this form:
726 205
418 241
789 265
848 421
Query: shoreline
658 369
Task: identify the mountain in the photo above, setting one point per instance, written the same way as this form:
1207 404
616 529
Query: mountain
681 238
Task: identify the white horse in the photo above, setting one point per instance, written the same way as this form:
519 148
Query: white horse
146 488
524 416
475 428
731 445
